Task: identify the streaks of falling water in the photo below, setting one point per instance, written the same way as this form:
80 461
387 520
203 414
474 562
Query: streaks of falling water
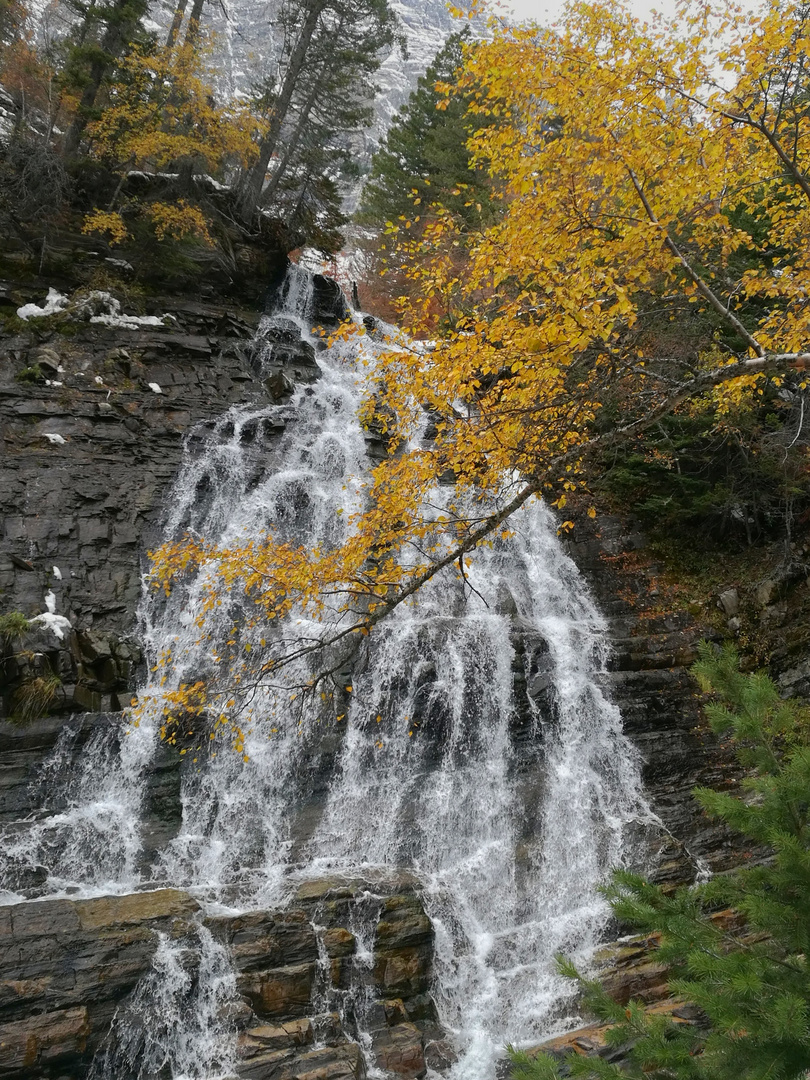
87 838
432 768
453 810
176 1023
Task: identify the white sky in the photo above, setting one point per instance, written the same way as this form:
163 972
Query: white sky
545 11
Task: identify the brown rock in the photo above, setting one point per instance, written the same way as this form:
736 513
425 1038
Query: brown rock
135 908
42 1040
281 1037
399 1050
260 940
65 967
339 942
342 1062
281 992
402 974
403 922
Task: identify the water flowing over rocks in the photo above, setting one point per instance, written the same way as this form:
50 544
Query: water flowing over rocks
354 900
73 974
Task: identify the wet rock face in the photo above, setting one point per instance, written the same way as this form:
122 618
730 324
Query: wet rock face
92 424
305 993
328 302
27 790
653 647
64 968
347 959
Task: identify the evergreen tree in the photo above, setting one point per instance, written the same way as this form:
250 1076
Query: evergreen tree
330 52
315 155
424 156
752 987
106 33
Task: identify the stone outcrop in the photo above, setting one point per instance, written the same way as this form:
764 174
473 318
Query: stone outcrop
653 641
93 420
88 500
87 507
65 966
348 961
629 969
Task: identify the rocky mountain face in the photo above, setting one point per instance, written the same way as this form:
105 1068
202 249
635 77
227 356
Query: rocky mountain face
246 46
91 446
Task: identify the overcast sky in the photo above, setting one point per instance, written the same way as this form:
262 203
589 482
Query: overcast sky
545 11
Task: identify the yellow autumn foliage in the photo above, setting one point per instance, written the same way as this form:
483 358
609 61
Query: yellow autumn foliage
178 220
107 223
162 114
637 165
162 111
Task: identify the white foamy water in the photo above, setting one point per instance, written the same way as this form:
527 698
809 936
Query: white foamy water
176 1023
476 748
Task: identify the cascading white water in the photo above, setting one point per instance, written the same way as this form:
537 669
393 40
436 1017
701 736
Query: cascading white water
88 837
508 881
510 807
177 1018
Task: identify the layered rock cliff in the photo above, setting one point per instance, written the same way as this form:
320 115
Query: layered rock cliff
293 984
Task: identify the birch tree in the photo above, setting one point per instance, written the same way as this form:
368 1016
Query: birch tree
636 165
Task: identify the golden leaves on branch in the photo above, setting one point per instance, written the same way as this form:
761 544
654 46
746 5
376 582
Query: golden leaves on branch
162 114
108 223
639 168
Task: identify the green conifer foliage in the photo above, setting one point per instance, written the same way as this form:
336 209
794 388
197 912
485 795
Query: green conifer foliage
752 986
424 156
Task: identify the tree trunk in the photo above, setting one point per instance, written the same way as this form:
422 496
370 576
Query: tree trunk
118 33
177 22
291 144
194 20
254 179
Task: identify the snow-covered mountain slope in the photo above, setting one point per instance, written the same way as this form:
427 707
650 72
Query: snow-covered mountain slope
246 46
427 24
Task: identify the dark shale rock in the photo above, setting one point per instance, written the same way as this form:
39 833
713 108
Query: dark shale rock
64 968
90 506
87 508
25 791
261 940
653 645
67 966
329 304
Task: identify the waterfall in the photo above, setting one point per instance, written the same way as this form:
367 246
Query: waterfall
476 749
177 1018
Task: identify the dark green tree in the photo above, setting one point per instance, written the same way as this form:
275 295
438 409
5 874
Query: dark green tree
330 51
753 986
424 156
316 153
105 32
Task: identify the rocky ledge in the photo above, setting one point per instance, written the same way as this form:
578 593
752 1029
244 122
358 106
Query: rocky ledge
629 969
653 640
348 962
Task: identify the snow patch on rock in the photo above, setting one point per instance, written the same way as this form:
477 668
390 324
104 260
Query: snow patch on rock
102 308
54 302
57 624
